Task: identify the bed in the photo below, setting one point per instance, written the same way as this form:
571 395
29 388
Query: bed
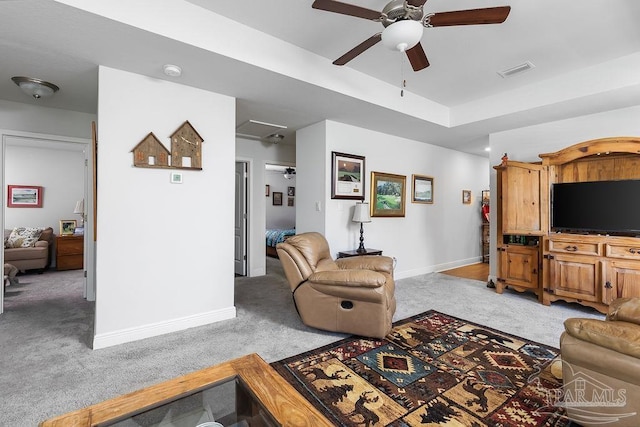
275 236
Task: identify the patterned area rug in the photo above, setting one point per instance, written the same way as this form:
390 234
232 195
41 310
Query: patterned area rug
432 369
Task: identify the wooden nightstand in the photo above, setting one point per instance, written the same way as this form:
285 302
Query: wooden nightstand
346 254
69 252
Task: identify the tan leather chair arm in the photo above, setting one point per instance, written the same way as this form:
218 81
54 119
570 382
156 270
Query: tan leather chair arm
623 337
625 309
351 278
41 244
367 262
352 293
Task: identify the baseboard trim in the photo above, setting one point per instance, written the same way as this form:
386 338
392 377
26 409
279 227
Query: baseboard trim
155 329
437 268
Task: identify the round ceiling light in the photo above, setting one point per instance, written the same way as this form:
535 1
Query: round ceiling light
402 35
35 87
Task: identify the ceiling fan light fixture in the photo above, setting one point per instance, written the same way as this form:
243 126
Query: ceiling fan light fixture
402 35
289 173
35 87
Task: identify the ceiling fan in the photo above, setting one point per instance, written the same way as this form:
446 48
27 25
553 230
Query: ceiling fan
404 21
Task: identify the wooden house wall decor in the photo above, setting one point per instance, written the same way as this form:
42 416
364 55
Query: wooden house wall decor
186 143
186 147
150 153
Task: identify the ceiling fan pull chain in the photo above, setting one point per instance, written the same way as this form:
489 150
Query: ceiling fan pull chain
404 82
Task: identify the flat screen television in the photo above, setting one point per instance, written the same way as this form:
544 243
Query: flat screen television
604 207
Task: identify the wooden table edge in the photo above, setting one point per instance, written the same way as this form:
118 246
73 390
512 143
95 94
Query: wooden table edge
278 396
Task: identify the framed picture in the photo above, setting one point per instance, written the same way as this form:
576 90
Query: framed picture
422 189
67 227
290 201
387 194
291 191
267 190
24 196
466 197
277 198
347 176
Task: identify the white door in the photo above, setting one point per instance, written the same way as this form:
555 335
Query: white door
240 258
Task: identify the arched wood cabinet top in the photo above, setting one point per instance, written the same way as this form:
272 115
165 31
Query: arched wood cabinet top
594 147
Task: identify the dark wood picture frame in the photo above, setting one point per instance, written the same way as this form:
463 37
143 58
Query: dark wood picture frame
388 194
277 198
24 196
347 176
421 189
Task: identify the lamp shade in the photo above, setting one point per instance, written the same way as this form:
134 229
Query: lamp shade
402 35
361 213
79 207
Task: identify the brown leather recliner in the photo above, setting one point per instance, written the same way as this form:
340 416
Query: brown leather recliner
601 366
353 295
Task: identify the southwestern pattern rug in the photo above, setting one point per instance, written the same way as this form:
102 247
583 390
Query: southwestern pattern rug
432 369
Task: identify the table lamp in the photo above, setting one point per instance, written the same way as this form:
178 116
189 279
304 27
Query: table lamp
79 210
361 215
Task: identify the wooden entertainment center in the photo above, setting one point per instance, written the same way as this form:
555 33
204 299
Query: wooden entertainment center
589 269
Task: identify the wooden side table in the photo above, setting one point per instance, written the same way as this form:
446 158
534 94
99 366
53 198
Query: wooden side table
69 252
346 254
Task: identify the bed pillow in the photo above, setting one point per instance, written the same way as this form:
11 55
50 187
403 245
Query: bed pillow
23 237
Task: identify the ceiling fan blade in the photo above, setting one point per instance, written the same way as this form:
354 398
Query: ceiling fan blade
358 49
416 3
417 57
490 15
346 9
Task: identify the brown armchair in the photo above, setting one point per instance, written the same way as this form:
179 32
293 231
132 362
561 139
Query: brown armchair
601 366
352 295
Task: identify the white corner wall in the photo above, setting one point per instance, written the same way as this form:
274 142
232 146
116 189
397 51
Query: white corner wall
430 237
525 144
164 251
257 154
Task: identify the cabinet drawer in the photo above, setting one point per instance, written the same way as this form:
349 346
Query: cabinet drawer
70 247
69 262
622 251
574 247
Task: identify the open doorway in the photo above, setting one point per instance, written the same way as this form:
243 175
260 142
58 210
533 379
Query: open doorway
58 168
280 209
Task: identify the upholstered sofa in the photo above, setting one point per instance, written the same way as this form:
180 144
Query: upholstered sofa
601 366
36 257
352 295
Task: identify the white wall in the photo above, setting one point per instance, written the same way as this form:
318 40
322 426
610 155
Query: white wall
525 144
258 154
52 121
61 174
430 237
280 216
164 251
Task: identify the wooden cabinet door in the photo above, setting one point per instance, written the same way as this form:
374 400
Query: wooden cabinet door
622 280
519 266
524 198
574 276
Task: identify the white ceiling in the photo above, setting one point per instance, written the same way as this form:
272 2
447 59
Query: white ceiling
586 56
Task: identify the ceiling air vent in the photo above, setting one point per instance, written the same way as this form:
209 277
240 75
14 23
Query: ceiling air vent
256 129
517 69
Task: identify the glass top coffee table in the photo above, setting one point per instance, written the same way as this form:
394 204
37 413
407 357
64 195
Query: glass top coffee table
244 392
